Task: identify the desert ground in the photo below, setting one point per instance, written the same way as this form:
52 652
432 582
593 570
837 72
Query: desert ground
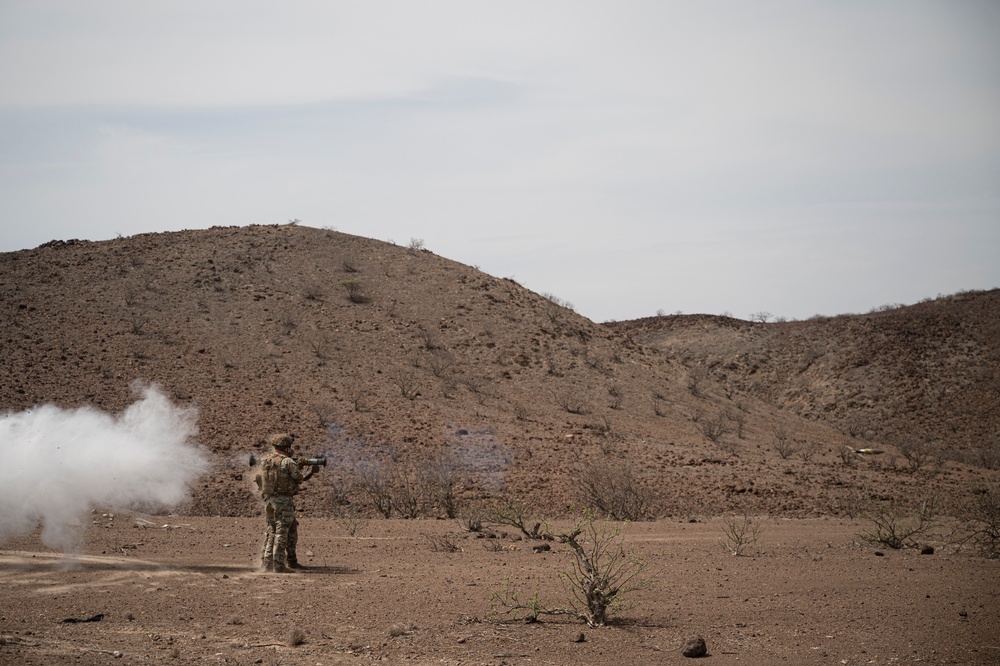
182 589
403 366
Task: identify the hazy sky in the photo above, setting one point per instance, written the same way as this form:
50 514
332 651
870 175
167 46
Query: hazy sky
628 157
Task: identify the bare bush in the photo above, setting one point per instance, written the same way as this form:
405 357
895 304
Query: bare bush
572 401
740 419
325 412
359 398
981 523
440 363
441 476
895 525
696 377
808 450
374 481
616 397
741 531
659 406
615 490
407 489
917 452
355 291
442 543
713 429
313 292
516 513
429 338
782 443
351 519
407 384
350 264
604 573
321 345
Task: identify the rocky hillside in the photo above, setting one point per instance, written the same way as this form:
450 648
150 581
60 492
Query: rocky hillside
924 377
390 358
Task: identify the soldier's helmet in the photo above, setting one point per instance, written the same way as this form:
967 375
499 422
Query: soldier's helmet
281 441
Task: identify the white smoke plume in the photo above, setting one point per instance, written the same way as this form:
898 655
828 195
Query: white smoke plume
59 464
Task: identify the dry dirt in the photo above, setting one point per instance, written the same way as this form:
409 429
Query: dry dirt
179 589
254 327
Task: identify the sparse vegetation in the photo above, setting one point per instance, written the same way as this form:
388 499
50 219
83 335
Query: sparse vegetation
514 512
981 522
741 531
614 489
442 543
355 291
602 576
572 401
351 519
917 452
895 525
782 443
713 428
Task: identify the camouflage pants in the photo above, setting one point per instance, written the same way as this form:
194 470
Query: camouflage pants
282 533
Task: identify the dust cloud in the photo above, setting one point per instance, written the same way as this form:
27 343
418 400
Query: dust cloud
59 464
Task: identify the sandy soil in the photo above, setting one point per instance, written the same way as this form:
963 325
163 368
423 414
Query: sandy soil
187 590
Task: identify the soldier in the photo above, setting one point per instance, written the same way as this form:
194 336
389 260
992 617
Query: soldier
278 480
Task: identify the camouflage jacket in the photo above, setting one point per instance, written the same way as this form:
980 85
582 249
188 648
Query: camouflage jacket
279 475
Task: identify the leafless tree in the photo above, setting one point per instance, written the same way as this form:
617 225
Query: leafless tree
615 490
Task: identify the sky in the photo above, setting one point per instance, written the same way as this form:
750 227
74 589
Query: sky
629 157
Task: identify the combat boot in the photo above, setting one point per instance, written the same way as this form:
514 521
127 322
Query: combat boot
268 565
294 564
280 567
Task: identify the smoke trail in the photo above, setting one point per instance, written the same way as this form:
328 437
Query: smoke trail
59 464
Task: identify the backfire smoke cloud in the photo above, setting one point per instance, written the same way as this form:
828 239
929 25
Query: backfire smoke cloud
59 464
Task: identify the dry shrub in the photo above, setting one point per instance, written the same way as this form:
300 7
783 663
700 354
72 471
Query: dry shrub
982 522
741 531
296 637
603 574
442 543
896 525
614 489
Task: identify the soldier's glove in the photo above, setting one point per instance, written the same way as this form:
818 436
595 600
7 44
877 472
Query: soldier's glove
302 462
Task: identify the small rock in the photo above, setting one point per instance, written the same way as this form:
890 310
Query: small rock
927 550
879 553
579 638
695 647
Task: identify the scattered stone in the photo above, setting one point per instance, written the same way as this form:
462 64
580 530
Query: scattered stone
694 648
879 553
579 638
541 548
927 550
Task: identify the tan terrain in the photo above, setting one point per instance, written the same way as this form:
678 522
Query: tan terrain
460 390
185 590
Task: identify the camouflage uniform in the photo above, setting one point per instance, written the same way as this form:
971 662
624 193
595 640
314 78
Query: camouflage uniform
279 480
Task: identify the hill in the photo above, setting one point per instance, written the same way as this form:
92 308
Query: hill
400 364
924 378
